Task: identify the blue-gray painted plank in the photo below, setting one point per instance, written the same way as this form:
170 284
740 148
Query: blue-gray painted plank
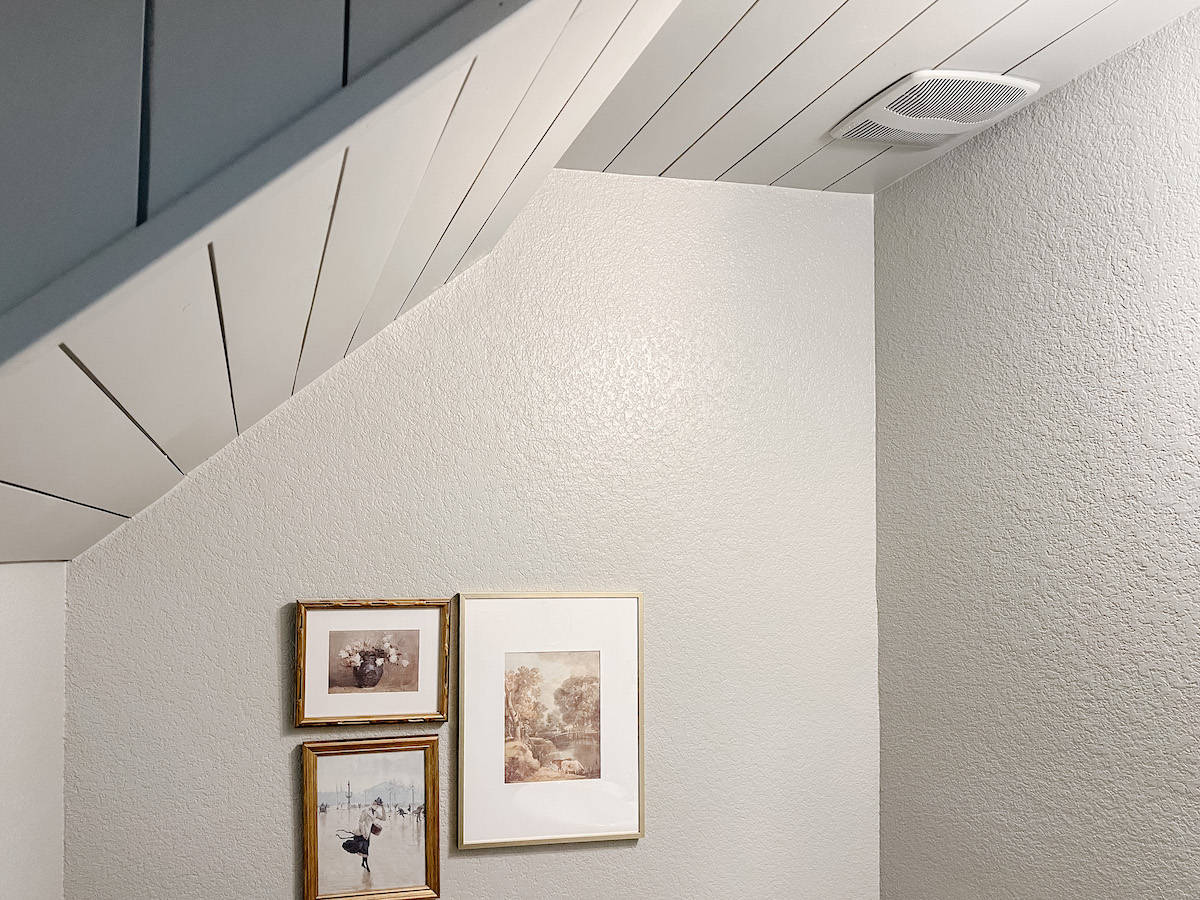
71 71
226 75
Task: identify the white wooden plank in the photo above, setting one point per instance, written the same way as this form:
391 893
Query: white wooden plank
503 70
574 51
769 37
389 153
683 41
378 28
637 30
69 143
226 75
267 254
1091 42
61 435
155 344
37 527
829 164
826 83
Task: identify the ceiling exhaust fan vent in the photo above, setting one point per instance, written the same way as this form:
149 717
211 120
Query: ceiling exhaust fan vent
931 106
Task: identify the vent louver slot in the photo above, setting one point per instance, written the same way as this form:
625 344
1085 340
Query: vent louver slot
929 107
873 131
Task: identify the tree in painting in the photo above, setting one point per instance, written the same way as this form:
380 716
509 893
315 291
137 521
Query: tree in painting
551 716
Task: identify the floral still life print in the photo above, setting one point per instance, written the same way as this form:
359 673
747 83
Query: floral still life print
378 661
551 716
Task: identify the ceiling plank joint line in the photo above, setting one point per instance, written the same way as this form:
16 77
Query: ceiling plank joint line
1075 27
216 283
33 490
117 403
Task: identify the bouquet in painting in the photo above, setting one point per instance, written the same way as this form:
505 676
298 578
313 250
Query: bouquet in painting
372 652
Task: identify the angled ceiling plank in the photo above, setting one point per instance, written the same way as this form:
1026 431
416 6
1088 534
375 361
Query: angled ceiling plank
63 436
758 142
634 33
499 78
829 164
156 345
388 155
573 53
266 255
1102 35
423 62
767 36
692 31
35 526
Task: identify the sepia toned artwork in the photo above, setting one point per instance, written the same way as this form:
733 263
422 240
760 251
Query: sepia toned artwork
551 716
379 661
550 719
363 661
370 814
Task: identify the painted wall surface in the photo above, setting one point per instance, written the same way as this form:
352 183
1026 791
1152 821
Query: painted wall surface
31 719
1039 469
651 384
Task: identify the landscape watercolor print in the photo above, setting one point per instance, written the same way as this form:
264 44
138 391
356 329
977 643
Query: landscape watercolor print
551 716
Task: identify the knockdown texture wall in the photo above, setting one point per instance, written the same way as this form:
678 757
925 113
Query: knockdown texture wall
1039 463
651 385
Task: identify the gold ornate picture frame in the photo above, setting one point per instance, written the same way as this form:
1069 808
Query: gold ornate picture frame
362 662
371 819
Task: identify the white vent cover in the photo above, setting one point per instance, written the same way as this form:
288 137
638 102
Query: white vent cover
931 106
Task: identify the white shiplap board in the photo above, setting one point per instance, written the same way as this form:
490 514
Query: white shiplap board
387 156
62 435
683 41
507 61
771 34
588 30
34 526
267 253
631 37
155 344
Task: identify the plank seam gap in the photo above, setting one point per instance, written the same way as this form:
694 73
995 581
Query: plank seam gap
117 403
33 490
212 266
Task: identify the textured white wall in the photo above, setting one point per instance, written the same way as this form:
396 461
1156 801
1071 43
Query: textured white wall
31 721
651 384
1039 497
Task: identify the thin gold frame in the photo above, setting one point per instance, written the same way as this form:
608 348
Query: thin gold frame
462 726
443 687
311 751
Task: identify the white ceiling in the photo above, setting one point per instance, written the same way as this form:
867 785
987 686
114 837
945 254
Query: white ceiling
214 320
128 371
747 90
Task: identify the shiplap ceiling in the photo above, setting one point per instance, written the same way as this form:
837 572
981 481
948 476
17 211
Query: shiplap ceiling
130 370
747 90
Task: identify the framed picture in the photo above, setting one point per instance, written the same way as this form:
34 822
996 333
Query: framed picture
360 661
371 818
550 734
